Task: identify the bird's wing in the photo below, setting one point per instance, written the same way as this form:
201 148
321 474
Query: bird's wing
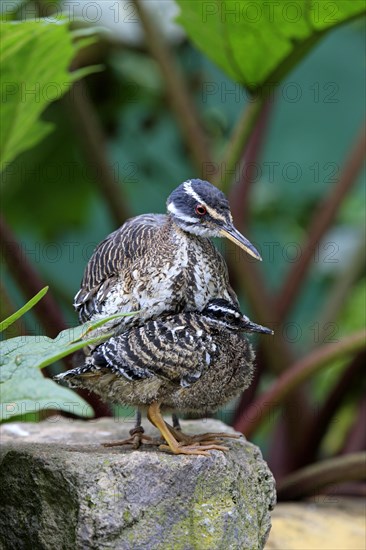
173 351
74 376
120 247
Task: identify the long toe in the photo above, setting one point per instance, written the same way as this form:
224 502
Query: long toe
193 449
206 438
209 436
135 441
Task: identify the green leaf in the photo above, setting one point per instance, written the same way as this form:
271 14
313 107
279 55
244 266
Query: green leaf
24 389
12 318
28 391
258 43
41 351
35 58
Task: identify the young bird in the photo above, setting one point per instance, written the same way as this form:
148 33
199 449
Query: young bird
191 361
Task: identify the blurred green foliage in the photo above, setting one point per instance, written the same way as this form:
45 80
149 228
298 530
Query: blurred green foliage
44 78
49 194
58 212
258 43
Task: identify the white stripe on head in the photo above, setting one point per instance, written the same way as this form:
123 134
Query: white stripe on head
187 186
174 210
190 191
215 307
226 310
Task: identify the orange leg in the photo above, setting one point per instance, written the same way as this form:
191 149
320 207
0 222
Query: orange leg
154 415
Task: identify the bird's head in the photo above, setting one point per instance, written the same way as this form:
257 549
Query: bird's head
226 315
200 208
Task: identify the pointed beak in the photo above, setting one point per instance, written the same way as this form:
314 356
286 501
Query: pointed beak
236 237
249 326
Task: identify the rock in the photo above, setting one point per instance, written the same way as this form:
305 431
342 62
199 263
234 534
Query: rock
63 490
329 522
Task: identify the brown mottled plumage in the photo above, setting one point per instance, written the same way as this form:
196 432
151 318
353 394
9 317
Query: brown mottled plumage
156 264
187 362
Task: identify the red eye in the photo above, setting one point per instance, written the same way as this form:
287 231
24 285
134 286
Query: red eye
200 209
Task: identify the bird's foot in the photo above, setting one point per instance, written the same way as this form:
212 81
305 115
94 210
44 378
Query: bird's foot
198 449
137 439
209 438
173 444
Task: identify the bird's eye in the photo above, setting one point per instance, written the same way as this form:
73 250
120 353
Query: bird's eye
230 317
200 209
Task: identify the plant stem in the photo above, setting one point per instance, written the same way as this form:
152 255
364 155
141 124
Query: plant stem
92 141
47 310
320 224
341 289
240 194
239 141
356 438
301 371
276 351
348 380
7 308
178 94
311 479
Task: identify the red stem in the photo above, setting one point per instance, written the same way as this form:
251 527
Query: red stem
349 378
356 439
276 353
322 221
295 376
178 94
47 310
312 479
92 141
240 194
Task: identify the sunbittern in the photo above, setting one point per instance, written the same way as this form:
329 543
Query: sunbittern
158 263
191 361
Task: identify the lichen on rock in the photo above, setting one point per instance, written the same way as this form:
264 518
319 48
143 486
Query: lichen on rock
64 490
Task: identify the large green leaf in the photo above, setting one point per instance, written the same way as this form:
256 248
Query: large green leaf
27 391
35 58
24 389
40 351
257 43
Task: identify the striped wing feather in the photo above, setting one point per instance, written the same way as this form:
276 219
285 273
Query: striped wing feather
114 253
167 350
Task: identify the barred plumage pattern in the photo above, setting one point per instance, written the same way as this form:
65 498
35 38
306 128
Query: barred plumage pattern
188 362
150 264
158 263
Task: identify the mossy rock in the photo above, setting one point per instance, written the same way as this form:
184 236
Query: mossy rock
64 490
